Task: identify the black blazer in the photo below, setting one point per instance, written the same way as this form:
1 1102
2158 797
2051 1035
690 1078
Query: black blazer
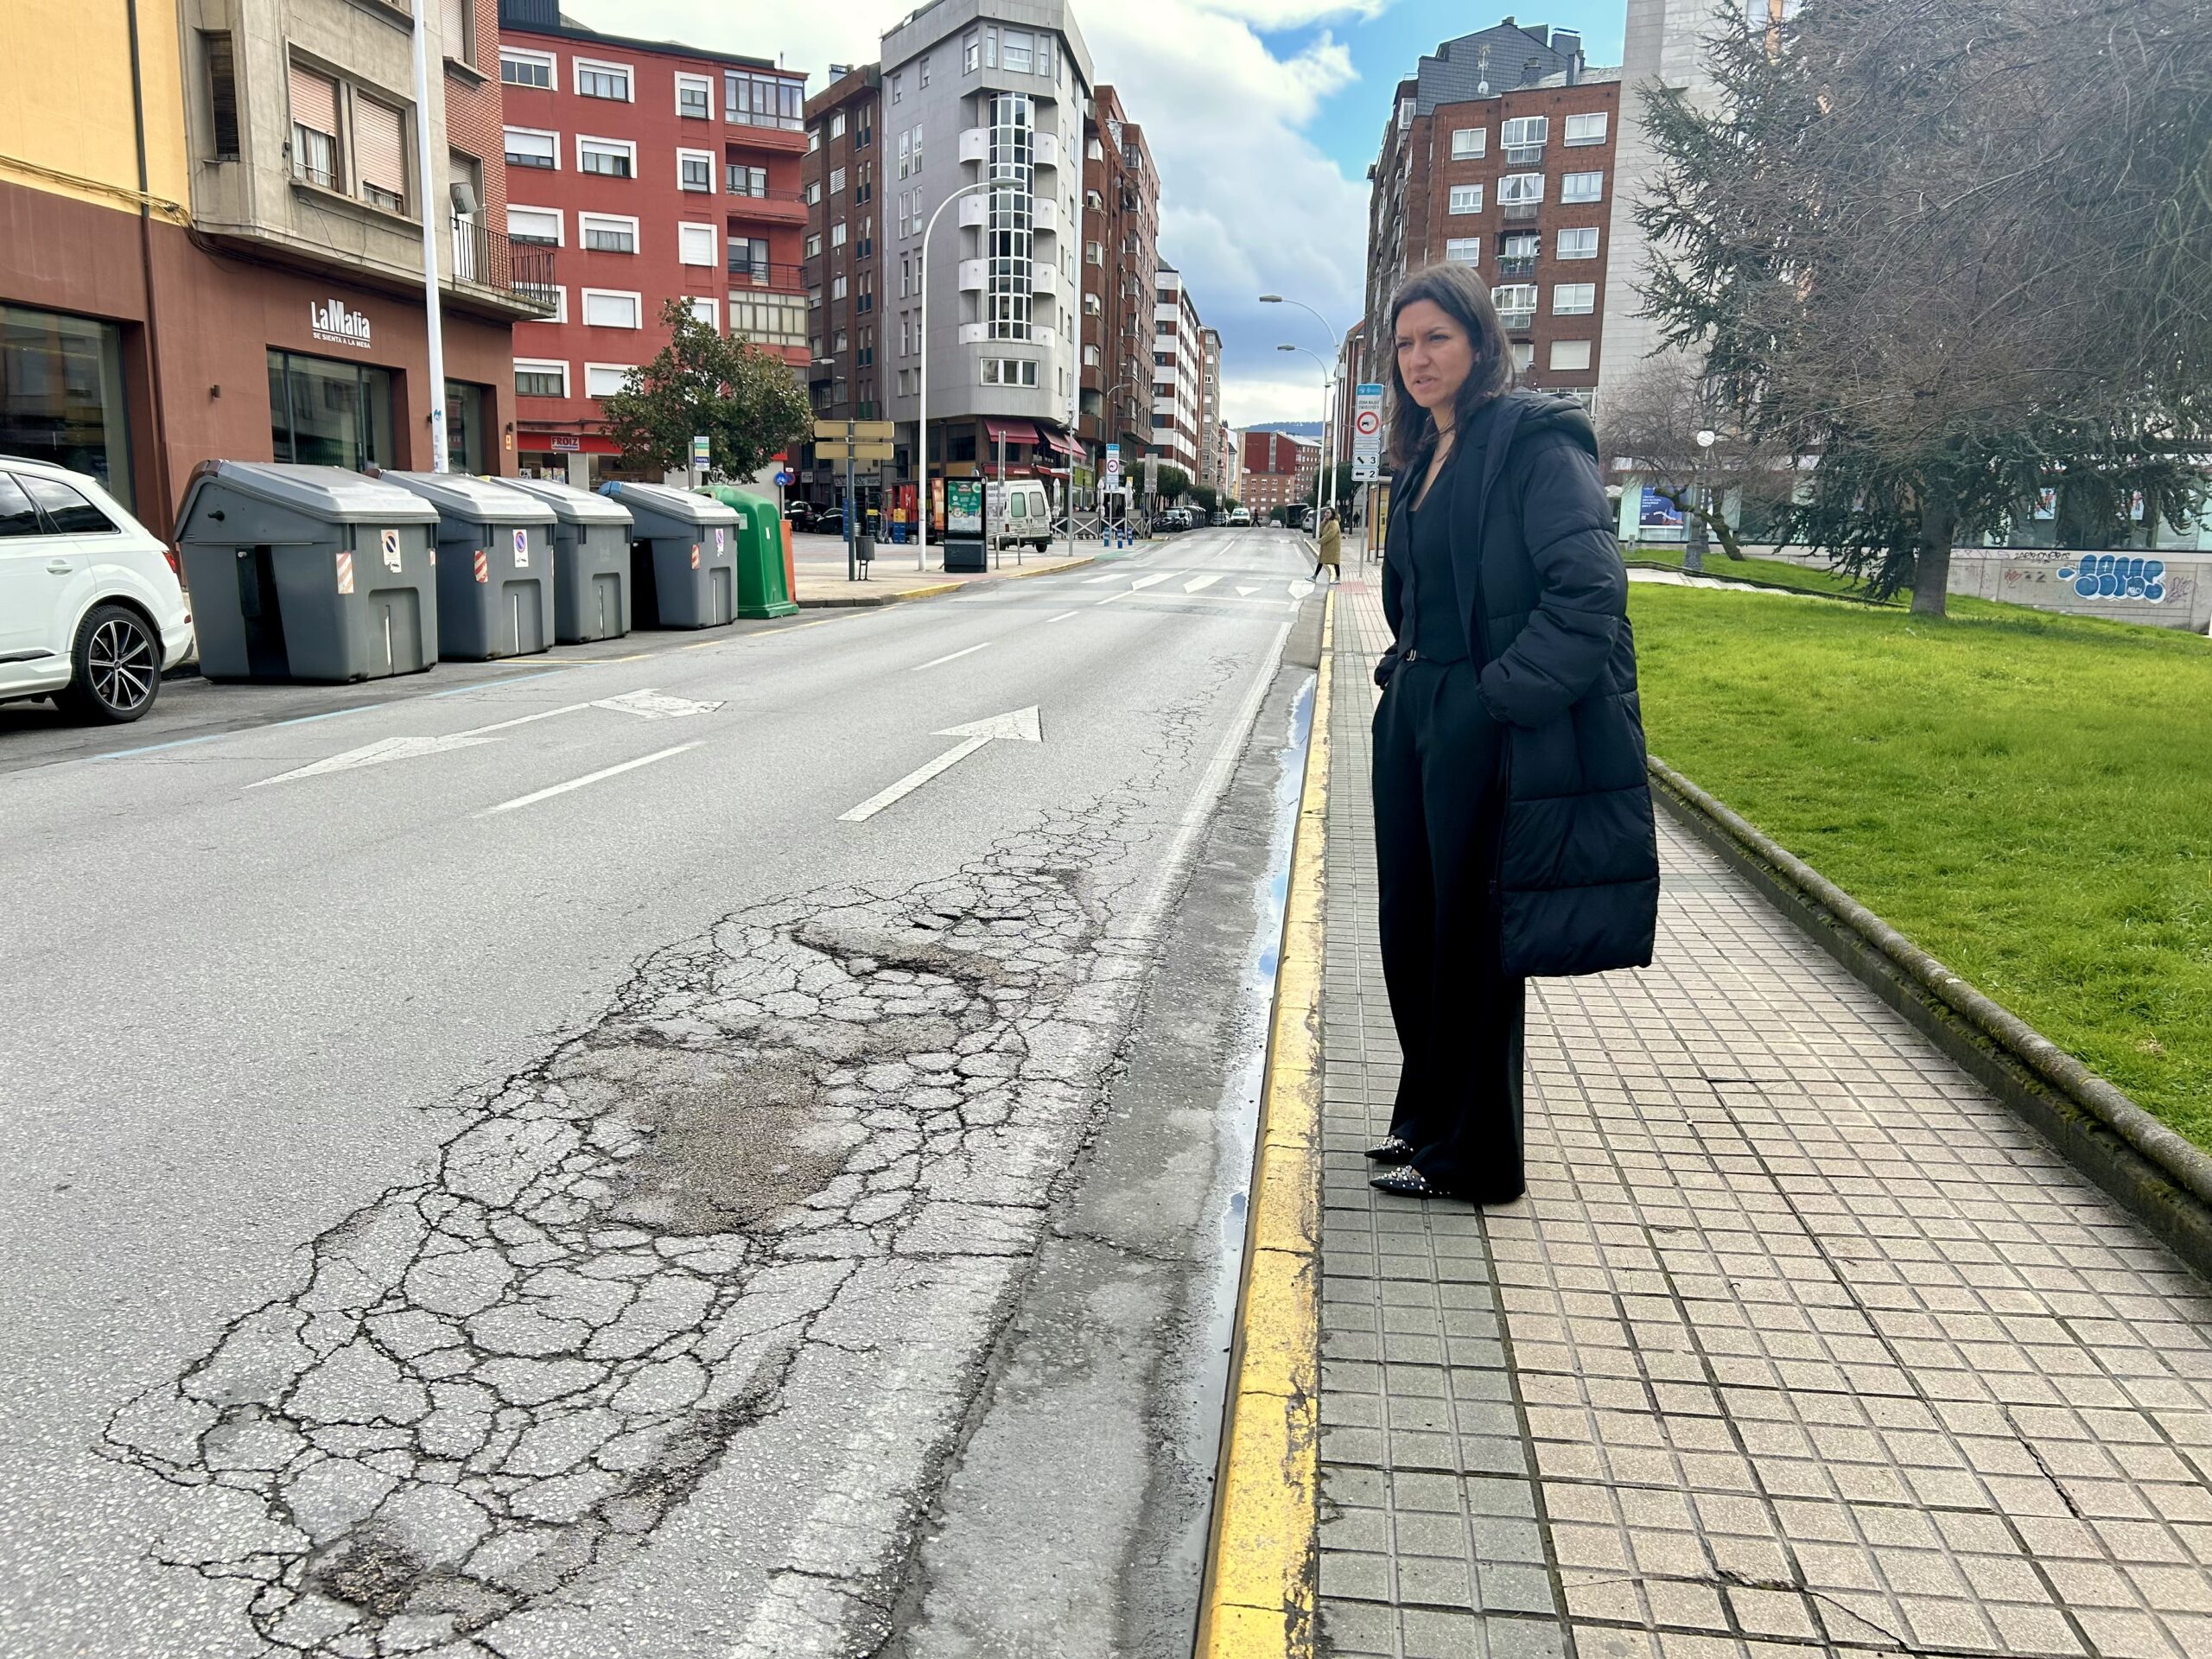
1538 570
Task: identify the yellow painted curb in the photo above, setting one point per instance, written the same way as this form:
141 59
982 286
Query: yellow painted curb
1261 1561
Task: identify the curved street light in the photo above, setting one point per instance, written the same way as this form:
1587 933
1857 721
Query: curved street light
1337 352
1328 402
922 422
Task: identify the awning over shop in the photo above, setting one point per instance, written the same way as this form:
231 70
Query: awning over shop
1009 432
1061 441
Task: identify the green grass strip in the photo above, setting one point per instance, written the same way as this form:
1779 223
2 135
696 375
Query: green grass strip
2027 795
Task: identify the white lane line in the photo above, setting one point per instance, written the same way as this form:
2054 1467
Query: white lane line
912 781
588 777
1197 584
1062 617
1140 584
954 657
1111 575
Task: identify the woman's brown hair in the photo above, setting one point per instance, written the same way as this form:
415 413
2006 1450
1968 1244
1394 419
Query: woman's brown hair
1465 297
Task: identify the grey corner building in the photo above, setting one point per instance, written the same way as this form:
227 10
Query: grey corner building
985 92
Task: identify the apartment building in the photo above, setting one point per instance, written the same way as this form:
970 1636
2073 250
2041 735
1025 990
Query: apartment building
660 172
1276 470
1178 358
1210 472
989 98
850 159
288 322
1121 264
1499 154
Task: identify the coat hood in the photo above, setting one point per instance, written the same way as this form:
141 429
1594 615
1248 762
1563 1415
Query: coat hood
1548 411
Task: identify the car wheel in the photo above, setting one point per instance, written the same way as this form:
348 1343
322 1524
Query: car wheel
115 669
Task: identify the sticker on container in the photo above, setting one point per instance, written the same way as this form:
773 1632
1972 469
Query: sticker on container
483 565
720 541
391 549
694 556
521 550
344 573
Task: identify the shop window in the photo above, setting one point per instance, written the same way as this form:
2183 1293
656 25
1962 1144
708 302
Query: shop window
324 413
61 394
465 407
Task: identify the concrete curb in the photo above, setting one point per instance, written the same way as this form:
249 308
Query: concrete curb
867 601
1263 1554
2160 1176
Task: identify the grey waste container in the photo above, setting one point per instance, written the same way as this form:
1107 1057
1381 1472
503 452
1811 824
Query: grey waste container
495 565
591 561
683 556
308 573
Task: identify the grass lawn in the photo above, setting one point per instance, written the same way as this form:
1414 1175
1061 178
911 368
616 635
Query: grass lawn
1814 578
2028 796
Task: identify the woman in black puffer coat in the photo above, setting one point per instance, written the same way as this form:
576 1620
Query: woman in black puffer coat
1512 813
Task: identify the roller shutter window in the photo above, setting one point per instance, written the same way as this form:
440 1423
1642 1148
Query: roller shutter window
456 20
380 154
315 128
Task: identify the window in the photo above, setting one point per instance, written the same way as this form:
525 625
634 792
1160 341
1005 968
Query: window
1516 189
695 244
971 50
457 31
1093 254
604 233
1467 198
898 87
222 95
990 46
756 100
838 234
604 380
813 243
837 124
1579 244
694 170
380 155
748 181
519 68
1523 246
1469 141
315 128
535 377
1009 372
17 516
1573 299
1586 128
1463 251
1091 307
695 97
813 193
814 303
68 513
748 257
1570 354
918 163
926 69
527 149
708 311
1514 299
1090 358
905 152
1016 50
559 294
1044 56
769 319
538 225
323 413
836 180
613 158
602 79
1582 186
1525 131
608 308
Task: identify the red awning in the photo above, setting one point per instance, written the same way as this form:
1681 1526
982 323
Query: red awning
1061 441
1009 432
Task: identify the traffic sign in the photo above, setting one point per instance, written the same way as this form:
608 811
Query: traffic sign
864 451
786 477
700 451
870 431
1367 433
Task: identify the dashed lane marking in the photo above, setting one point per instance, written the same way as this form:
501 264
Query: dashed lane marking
536 796
951 656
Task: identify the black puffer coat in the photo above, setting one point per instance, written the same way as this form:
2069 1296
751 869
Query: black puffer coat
1540 573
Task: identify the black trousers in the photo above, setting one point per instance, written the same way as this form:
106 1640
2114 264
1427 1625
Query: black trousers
1439 809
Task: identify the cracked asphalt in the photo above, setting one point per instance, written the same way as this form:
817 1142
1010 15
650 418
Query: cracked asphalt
457 1210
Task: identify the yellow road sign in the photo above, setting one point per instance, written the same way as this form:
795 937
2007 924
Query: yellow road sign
836 452
865 431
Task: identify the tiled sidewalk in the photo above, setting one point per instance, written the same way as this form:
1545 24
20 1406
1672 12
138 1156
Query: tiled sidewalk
1800 1344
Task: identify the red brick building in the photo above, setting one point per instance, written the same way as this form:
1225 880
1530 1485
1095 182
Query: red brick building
1121 266
1499 154
661 172
1277 470
841 175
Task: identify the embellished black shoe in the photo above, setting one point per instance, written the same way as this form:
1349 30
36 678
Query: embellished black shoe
1407 1182
1394 1150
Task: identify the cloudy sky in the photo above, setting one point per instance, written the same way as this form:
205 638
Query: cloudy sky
1261 114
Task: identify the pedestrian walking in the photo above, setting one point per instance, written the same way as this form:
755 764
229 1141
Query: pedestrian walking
1513 823
1332 549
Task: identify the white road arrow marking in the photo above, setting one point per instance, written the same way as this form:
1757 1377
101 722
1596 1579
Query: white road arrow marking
1198 584
1140 585
1246 592
656 705
1299 589
1021 726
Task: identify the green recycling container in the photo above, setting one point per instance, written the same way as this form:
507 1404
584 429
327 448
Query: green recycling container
761 587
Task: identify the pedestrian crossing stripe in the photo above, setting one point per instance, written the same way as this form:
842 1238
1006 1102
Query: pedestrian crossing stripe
344 573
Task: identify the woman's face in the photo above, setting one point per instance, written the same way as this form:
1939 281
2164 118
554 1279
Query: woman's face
1435 356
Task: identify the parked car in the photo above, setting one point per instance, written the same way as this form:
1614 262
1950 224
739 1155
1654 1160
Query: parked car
91 609
1173 519
1241 516
804 516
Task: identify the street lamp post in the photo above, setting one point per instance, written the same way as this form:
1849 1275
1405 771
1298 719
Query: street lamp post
1329 412
1328 399
1693 548
922 423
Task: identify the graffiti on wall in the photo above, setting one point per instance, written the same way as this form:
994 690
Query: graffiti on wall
2117 575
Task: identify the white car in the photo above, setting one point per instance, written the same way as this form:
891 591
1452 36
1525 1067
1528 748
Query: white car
1241 516
91 609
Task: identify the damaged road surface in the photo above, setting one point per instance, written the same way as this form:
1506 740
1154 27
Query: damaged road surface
721 1318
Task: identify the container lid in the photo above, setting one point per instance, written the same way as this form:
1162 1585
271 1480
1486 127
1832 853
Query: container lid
570 504
332 493
668 502
476 500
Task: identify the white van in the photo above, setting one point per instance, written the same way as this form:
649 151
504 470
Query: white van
1020 512
91 610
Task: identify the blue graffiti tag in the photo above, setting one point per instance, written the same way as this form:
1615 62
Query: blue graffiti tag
2106 575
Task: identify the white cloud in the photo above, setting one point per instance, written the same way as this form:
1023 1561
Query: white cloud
1250 400
1249 203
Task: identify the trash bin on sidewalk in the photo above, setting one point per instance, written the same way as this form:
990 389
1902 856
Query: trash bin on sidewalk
760 588
495 566
683 556
308 573
591 561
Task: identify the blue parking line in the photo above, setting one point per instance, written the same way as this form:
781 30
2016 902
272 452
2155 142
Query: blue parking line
152 748
486 685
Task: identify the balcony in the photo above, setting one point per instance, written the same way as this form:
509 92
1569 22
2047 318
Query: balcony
776 278
1517 322
974 211
1524 154
1519 265
520 273
1044 276
972 275
975 145
1045 216
1522 213
1046 149
762 207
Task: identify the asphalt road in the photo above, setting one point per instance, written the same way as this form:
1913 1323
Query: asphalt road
725 1145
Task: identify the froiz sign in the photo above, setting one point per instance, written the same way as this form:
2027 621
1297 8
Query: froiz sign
329 319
